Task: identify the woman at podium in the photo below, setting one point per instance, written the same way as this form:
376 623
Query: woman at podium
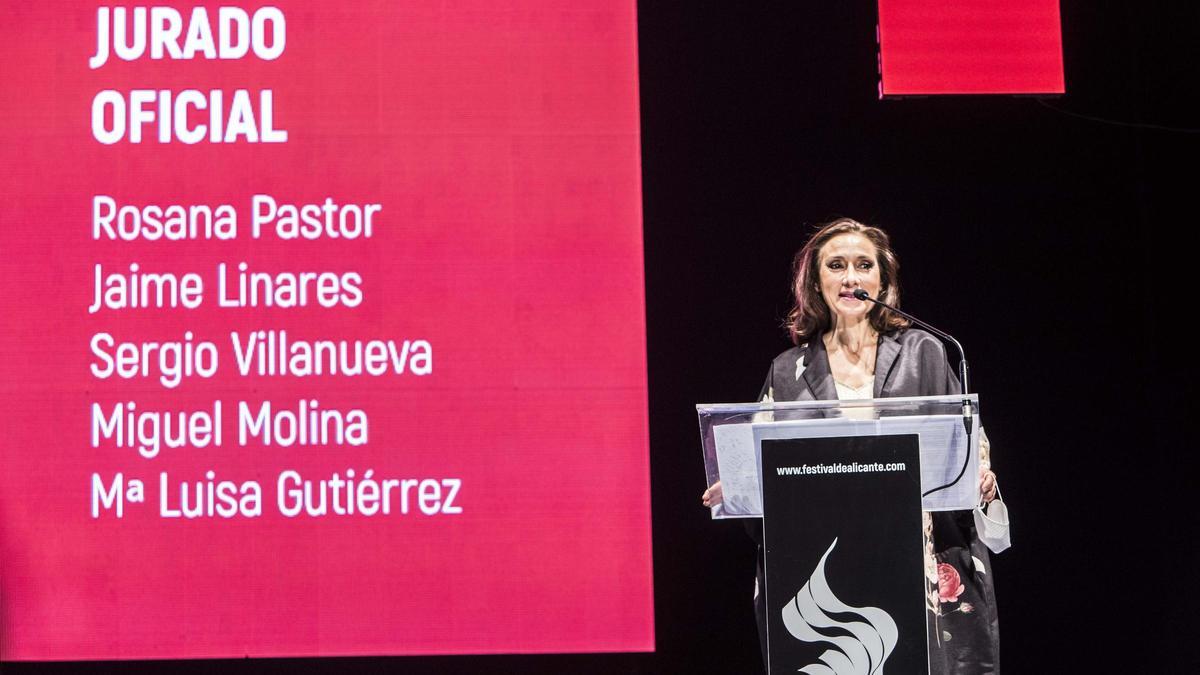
847 348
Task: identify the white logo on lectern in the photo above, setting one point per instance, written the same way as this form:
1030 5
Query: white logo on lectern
862 652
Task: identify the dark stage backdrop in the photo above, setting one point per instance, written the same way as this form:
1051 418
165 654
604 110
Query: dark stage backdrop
1057 248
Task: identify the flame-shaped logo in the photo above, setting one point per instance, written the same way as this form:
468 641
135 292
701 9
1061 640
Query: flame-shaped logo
863 652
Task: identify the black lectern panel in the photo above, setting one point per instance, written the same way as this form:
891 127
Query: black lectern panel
844 564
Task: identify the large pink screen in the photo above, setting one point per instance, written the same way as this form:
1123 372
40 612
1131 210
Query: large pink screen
395 261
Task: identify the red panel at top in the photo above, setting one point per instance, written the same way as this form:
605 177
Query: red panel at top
970 47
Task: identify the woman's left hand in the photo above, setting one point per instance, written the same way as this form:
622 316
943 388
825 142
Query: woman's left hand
712 496
987 483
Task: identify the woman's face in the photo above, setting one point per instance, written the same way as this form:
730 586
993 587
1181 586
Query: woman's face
847 262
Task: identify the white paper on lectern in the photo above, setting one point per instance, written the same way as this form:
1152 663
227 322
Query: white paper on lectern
737 462
942 444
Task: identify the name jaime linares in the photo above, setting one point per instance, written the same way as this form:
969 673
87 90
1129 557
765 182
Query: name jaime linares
295 496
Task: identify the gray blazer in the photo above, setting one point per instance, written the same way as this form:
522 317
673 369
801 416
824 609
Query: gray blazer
908 362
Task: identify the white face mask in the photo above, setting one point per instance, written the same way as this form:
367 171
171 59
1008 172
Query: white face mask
992 525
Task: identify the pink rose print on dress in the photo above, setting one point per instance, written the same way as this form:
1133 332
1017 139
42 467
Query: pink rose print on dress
949 584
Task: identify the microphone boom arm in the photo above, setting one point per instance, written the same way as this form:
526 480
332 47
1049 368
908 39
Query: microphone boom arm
963 371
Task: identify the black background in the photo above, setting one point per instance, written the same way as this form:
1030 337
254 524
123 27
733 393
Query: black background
1060 250
876 520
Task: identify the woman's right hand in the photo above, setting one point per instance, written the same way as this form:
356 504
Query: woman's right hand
712 496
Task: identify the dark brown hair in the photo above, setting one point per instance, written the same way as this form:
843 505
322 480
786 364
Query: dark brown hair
810 316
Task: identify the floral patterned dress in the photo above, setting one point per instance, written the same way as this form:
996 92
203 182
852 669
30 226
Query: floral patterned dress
963 628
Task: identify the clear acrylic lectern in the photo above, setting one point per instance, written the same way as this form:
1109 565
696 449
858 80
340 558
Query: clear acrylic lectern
840 486
732 435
